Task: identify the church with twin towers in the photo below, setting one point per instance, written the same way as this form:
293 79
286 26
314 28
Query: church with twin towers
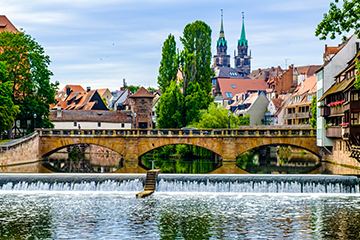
242 61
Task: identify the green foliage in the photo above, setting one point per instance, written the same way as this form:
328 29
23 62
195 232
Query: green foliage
27 68
357 80
170 108
313 112
340 19
104 100
8 111
169 64
133 89
195 59
246 159
256 123
244 120
216 117
194 64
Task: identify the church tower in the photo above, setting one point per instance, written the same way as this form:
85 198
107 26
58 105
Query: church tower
242 60
221 59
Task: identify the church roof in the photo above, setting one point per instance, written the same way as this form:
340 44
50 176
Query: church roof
142 92
222 41
243 41
228 72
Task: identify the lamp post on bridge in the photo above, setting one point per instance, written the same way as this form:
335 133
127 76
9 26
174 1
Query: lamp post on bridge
43 119
229 114
131 114
34 121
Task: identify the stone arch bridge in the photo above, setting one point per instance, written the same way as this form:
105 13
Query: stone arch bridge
133 143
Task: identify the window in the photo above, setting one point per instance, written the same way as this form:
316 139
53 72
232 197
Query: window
75 124
354 118
122 125
233 73
233 86
228 94
354 96
99 124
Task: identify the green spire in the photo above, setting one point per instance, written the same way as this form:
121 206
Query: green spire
221 41
242 41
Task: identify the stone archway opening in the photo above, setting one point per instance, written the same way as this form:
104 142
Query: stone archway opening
181 158
83 158
279 159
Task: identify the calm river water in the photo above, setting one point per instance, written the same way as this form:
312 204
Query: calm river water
180 210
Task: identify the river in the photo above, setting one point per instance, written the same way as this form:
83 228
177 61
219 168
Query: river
183 207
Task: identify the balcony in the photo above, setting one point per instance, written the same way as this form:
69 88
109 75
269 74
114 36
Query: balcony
324 111
334 132
335 111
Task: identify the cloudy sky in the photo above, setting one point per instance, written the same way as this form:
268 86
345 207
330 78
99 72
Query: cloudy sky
98 43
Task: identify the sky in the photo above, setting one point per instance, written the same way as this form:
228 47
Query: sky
99 43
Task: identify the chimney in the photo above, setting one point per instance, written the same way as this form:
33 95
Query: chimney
58 112
68 90
88 89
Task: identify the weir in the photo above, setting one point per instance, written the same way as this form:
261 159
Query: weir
182 183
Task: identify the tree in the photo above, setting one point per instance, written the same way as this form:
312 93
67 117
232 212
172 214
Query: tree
313 112
244 120
216 117
195 59
340 19
169 65
29 76
8 110
170 108
194 64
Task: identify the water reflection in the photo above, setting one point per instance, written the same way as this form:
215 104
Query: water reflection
84 158
278 159
173 216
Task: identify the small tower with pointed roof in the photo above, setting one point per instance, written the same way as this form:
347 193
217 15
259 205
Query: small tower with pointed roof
221 59
242 60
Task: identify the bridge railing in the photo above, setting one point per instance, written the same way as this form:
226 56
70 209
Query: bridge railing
248 132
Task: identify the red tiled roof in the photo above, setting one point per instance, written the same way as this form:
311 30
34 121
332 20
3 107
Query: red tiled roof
91 116
6 25
241 85
277 102
307 70
142 92
74 88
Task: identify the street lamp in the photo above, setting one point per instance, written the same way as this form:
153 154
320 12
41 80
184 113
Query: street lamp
34 121
135 120
229 113
131 114
43 118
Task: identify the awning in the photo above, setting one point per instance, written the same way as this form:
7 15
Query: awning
342 86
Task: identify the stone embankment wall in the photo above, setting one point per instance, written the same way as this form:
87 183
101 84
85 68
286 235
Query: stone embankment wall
340 161
19 151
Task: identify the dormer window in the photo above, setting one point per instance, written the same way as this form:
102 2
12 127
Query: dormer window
233 74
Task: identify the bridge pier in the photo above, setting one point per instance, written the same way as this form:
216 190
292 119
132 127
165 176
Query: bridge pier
229 167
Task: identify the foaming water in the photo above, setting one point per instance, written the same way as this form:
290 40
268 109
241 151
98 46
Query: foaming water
184 183
109 185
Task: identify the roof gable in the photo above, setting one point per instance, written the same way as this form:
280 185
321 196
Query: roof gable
142 93
6 25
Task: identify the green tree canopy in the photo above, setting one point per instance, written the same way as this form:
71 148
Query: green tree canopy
169 65
313 112
194 64
29 76
170 108
216 117
340 19
8 110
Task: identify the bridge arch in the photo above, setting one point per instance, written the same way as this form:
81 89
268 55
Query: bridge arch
152 145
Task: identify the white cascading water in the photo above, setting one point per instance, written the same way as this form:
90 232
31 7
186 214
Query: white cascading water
109 185
136 185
